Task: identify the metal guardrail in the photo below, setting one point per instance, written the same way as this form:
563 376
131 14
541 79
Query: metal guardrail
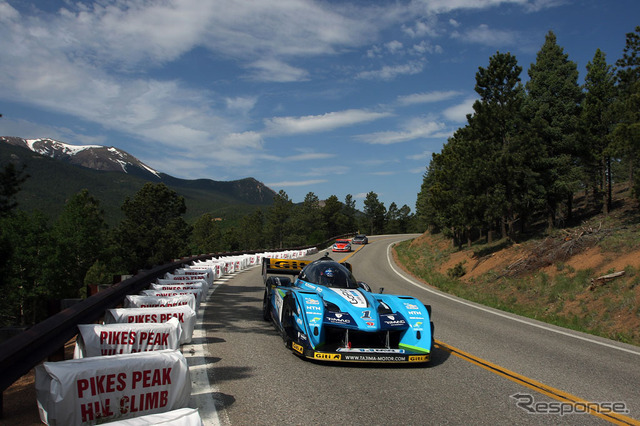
19 354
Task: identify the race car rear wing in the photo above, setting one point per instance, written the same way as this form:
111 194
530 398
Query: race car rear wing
287 266
283 266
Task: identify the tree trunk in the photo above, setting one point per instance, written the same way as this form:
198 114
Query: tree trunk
551 216
607 186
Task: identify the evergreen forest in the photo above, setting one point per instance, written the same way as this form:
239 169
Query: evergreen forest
43 262
528 149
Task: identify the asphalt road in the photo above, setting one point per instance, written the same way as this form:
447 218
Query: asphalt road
257 381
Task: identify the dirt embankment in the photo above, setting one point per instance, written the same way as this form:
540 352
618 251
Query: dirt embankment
586 277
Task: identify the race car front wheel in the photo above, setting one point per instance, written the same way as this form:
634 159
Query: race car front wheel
288 321
266 311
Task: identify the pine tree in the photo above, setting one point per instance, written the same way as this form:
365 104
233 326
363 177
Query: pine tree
80 238
627 131
497 126
553 106
596 125
277 217
153 230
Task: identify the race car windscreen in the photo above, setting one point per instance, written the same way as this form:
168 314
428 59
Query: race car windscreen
329 274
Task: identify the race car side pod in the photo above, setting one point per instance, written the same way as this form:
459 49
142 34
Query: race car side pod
428 309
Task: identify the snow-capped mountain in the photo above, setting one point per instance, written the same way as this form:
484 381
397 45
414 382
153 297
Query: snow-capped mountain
95 157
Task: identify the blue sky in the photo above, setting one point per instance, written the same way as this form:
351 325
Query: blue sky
330 97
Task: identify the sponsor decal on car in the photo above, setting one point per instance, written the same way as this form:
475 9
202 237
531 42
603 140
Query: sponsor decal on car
338 318
393 320
371 350
288 264
411 306
310 301
296 347
375 358
329 357
352 296
418 358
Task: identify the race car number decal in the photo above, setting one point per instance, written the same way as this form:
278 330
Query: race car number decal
352 296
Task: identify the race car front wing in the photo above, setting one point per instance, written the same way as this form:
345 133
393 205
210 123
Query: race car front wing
360 354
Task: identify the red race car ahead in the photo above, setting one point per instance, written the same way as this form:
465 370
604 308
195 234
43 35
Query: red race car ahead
342 245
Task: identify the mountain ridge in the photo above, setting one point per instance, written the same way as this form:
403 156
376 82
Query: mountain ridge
111 175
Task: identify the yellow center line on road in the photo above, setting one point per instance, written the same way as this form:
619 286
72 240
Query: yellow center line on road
344 259
592 408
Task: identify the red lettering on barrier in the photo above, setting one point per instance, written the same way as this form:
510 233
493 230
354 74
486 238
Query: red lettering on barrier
148 378
95 410
144 402
118 337
101 384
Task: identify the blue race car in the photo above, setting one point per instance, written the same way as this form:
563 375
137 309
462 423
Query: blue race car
325 314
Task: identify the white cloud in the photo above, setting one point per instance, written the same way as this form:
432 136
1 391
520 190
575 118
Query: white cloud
417 170
394 46
425 27
320 123
458 113
487 36
425 47
276 71
445 6
249 139
427 97
414 129
389 72
326 171
242 104
30 130
420 156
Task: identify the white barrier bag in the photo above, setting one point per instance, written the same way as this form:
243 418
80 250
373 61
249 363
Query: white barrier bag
163 282
116 339
90 390
169 293
137 301
185 315
199 285
207 273
190 277
181 417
